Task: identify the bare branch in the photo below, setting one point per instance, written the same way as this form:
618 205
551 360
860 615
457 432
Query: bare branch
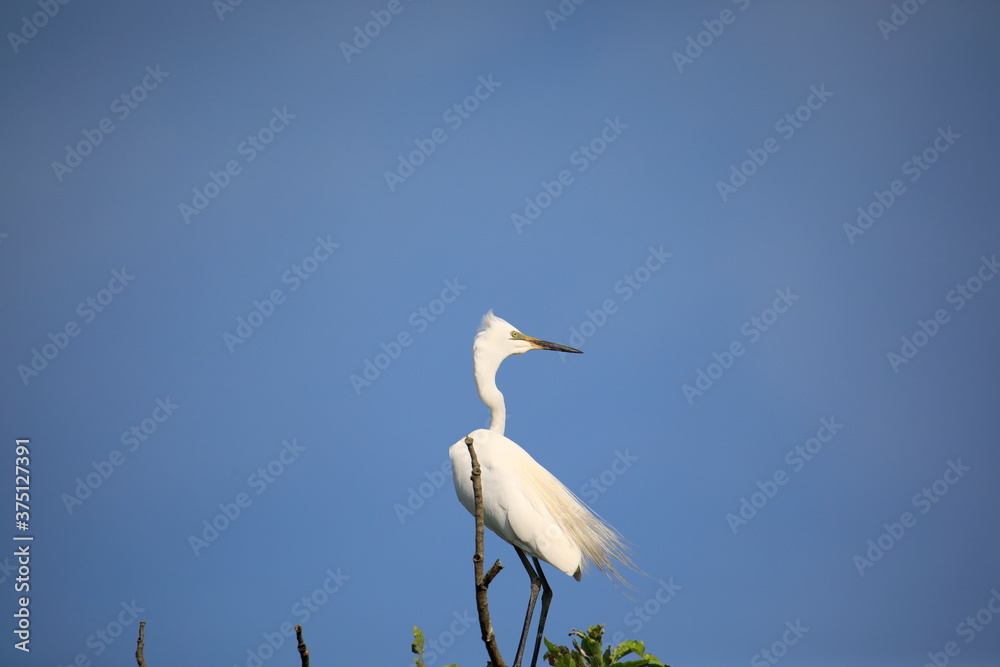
494 571
483 582
141 644
303 651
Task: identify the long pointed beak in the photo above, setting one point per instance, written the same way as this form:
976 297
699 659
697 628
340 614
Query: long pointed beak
546 345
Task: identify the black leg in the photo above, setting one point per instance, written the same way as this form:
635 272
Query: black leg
535 579
546 599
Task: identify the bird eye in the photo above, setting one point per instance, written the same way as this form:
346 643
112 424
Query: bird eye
516 334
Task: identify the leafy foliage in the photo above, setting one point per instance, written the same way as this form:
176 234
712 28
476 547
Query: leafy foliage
587 652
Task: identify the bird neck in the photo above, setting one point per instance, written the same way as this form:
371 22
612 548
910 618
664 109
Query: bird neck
498 412
485 371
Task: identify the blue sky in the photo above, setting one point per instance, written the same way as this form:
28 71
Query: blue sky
214 219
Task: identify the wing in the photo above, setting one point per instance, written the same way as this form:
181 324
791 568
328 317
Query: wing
522 501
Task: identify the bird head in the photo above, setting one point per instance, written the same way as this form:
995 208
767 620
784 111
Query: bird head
499 339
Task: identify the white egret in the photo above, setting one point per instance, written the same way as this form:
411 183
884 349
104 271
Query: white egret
523 502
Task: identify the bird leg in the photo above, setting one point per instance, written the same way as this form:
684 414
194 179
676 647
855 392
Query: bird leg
546 599
535 582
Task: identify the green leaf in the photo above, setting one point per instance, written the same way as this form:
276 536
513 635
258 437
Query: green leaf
628 646
647 661
592 649
560 656
633 646
591 645
418 646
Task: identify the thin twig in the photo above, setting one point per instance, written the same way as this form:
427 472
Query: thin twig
483 582
140 644
494 571
303 651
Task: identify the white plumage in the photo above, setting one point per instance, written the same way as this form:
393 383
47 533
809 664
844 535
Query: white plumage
527 506
523 502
